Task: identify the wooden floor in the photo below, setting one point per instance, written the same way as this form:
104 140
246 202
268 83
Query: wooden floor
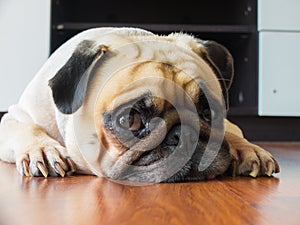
89 200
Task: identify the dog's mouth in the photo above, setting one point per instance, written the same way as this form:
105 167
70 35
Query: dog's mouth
172 161
189 171
153 156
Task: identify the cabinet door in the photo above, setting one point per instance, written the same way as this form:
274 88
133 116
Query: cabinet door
279 74
279 15
24 44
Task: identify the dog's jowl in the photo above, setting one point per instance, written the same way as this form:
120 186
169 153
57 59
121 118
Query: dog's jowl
126 104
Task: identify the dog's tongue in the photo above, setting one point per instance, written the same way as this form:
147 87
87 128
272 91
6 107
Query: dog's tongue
210 176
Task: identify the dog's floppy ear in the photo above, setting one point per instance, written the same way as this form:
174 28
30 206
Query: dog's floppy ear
70 82
221 61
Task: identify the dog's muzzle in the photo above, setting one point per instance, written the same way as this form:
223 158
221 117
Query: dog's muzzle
177 158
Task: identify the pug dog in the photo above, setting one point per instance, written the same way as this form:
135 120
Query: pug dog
126 104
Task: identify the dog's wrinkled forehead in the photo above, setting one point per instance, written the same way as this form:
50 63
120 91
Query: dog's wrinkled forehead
106 71
132 71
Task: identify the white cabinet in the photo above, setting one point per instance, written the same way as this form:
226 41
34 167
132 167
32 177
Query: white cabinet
279 60
280 15
279 74
24 45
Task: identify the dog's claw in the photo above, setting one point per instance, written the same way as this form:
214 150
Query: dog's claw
255 170
71 165
270 169
234 168
277 168
42 168
59 169
25 165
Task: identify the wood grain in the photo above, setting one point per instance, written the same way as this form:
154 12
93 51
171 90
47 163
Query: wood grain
91 200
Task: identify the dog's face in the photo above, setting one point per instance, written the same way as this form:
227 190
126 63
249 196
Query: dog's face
150 111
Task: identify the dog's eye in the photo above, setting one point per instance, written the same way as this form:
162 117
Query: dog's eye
208 114
131 121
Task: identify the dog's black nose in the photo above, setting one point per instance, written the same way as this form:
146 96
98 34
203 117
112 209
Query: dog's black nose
173 136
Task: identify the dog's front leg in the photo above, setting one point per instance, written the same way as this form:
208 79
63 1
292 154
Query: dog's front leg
33 150
248 159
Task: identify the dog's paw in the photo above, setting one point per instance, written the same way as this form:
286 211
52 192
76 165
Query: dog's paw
251 160
44 157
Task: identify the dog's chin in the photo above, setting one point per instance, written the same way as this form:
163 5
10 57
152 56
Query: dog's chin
192 171
153 156
152 166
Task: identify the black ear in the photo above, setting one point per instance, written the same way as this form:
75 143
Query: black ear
221 62
70 82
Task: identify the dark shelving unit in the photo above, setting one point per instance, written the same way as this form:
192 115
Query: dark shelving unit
232 23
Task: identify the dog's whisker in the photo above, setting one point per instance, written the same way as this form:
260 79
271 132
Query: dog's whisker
214 79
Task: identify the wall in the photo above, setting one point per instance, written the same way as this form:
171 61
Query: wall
24 44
